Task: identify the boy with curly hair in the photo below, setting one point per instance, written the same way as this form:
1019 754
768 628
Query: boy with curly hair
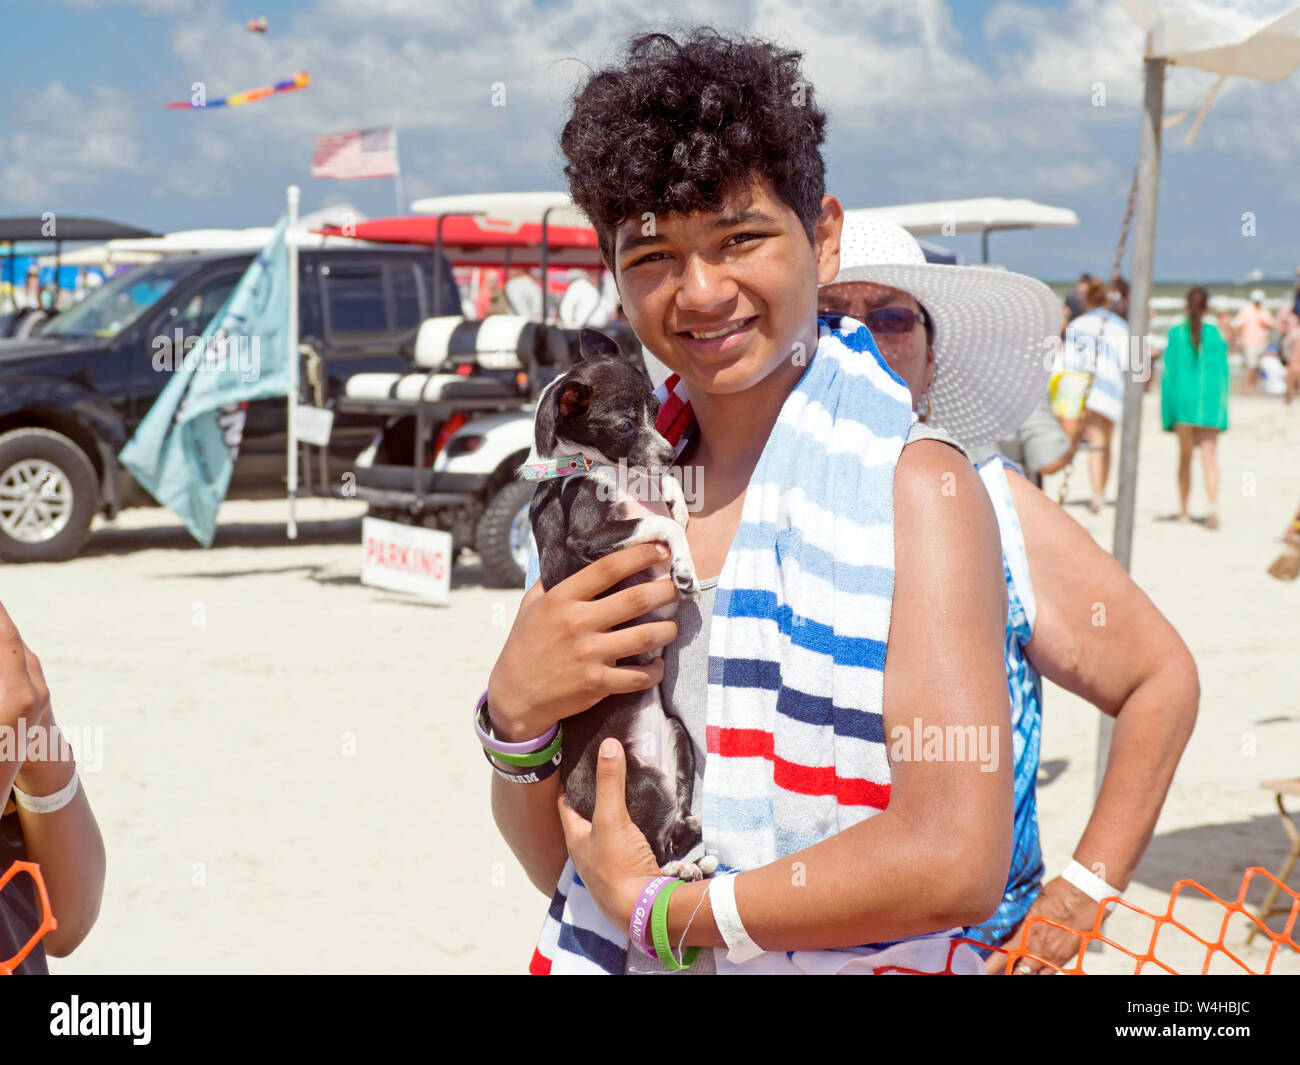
851 586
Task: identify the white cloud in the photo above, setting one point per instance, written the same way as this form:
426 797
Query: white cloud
89 138
152 7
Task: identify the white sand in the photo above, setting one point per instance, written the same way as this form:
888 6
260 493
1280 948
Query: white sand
231 684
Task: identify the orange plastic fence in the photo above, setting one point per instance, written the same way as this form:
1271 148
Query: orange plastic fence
48 923
1277 940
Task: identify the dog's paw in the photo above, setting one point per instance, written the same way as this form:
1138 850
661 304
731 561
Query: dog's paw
708 864
686 870
683 574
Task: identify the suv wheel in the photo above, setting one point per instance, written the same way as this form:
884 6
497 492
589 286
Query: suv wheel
502 536
48 494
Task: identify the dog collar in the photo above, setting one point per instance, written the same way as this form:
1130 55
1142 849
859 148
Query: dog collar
562 467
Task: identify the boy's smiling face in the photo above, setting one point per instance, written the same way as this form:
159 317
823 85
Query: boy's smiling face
724 298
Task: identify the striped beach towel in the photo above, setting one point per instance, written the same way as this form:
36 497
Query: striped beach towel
796 746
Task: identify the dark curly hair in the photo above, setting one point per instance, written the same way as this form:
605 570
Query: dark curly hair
678 126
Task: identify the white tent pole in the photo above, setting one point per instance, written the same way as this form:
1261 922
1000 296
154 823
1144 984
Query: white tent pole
291 236
1144 246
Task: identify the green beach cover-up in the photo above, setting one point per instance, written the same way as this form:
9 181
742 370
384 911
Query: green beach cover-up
1194 389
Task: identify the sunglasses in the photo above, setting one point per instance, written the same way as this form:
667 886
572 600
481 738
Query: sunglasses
894 321
891 321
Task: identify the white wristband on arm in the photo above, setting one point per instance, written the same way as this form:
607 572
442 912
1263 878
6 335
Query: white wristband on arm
740 948
47 804
1090 884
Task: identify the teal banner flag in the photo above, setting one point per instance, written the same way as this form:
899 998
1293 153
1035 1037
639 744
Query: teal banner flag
185 449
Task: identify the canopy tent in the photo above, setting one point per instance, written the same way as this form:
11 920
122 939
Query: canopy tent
1222 42
952 217
189 241
56 227
104 256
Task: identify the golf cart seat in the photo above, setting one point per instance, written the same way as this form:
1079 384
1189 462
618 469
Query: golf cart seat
463 361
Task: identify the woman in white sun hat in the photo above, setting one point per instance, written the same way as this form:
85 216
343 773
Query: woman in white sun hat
974 345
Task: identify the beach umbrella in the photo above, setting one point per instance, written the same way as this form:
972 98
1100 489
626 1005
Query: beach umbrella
1227 43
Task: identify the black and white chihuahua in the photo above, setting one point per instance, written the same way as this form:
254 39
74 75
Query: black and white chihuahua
602 410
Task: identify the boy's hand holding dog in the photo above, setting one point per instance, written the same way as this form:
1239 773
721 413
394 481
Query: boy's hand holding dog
609 852
560 657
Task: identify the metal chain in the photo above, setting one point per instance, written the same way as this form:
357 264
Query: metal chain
1128 221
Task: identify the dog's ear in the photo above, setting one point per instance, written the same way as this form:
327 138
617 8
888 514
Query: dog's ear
593 343
572 398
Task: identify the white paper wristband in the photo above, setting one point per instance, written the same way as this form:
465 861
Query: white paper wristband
47 804
740 948
1089 883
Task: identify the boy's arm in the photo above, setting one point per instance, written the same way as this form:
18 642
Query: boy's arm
938 856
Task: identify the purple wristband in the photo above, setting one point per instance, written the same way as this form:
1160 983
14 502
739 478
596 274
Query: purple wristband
491 743
639 929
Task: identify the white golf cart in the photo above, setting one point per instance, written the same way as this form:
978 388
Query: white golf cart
457 428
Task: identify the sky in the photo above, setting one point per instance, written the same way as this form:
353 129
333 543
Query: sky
928 100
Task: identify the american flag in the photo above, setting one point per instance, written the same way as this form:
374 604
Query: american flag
361 153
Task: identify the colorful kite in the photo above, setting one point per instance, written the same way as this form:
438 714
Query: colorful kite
299 81
257 25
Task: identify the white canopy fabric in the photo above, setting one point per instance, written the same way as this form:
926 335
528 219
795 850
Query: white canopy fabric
186 241
516 207
1224 42
100 255
1220 40
950 217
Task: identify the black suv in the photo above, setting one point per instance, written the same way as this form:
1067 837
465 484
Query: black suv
72 396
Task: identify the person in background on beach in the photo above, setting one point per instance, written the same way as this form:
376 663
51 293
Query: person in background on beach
524 295
723 291
47 818
1134 668
1118 296
1288 326
1252 326
1074 305
1095 344
1194 398
1040 446
491 298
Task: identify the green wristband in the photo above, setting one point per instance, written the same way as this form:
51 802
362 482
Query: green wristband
524 761
659 931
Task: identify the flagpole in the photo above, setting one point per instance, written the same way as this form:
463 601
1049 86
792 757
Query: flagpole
397 175
291 236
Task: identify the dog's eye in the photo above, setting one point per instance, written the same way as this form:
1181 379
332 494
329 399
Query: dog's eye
624 427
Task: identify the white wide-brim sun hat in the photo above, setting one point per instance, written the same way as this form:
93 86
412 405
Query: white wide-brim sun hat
995 332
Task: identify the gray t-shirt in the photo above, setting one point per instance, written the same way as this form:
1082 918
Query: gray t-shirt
684 691
1037 443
